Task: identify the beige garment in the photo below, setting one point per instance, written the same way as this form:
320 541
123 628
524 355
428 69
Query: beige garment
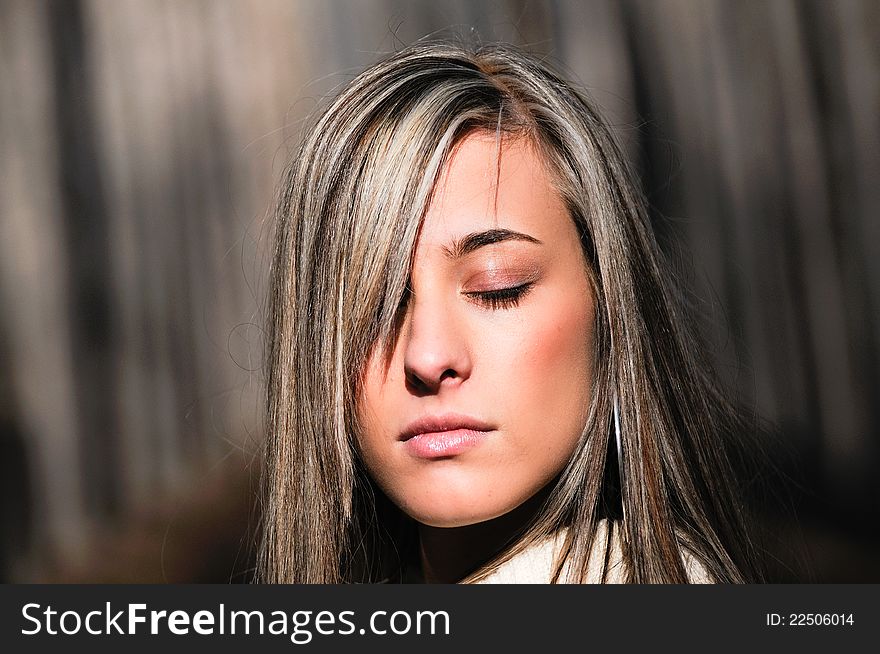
536 564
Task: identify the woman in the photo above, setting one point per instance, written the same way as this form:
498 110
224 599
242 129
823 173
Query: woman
479 369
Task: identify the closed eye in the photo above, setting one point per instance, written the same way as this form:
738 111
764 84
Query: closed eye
501 298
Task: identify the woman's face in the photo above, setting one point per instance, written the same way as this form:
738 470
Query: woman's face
487 390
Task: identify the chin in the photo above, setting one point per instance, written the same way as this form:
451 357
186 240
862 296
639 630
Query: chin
446 520
448 512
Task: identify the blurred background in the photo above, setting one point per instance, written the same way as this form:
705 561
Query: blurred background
141 143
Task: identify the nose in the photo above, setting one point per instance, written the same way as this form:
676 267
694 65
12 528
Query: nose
436 351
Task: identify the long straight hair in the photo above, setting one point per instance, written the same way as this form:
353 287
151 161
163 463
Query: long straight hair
347 223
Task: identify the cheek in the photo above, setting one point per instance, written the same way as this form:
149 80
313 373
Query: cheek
556 364
564 343
379 390
375 404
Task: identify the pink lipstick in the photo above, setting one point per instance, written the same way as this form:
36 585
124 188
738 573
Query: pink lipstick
435 437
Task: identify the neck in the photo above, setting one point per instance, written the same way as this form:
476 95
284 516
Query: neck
448 554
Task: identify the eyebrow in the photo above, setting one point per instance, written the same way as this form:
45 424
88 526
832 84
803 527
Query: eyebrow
467 244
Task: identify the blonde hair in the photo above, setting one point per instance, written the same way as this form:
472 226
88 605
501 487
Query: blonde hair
347 224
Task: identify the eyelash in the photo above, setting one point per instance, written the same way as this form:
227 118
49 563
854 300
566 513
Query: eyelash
502 298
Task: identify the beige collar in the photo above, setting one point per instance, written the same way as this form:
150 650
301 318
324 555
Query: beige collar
535 564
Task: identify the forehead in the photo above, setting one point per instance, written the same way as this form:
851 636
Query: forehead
490 184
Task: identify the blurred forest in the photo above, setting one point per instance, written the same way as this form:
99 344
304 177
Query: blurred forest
141 142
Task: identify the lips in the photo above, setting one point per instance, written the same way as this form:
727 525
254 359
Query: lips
448 435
